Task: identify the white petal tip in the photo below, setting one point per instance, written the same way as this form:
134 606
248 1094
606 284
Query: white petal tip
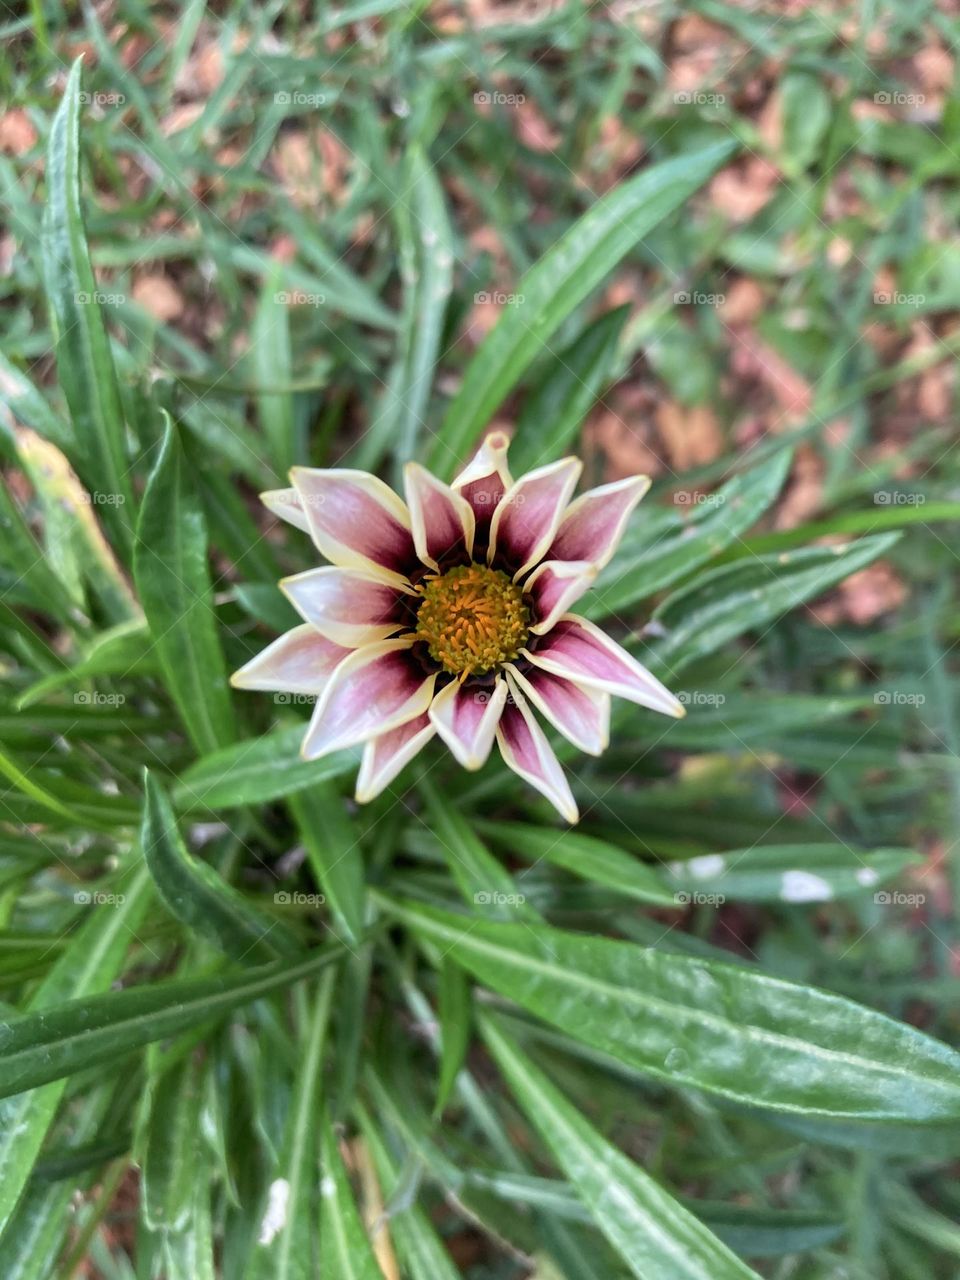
679 710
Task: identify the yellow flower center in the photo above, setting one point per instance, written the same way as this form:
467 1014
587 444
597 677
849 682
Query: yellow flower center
472 619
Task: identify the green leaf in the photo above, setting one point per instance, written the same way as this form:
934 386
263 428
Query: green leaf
789 873
196 895
723 603
123 650
70 1037
559 282
286 1247
556 408
583 856
256 771
344 1245
480 877
717 1027
335 854
89 964
272 363
653 1233
663 546
174 1121
455 1017
419 1248
84 363
173 582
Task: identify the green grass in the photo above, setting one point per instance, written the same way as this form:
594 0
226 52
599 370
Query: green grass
218 976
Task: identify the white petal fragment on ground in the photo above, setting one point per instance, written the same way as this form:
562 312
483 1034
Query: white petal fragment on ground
385 756
582 715
375 689
348 606
443 521
356 520
527 752
466 719
529 513
300 661
580 651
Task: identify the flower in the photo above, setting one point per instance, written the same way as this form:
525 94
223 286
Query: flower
449 614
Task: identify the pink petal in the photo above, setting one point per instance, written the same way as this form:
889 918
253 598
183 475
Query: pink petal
554 586
580 651
285 503
443 520
301 661
466 718
356 521
582 715
526 520
384 757
345 605
593 524
526 751
374 689
485 480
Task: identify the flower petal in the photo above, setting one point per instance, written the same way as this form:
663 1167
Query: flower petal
466 719
554 586
443 520
582 715
356 521
526 520
300 661
580 651
526 751
345 605
373 690
384 757
285 503
593 524
485 480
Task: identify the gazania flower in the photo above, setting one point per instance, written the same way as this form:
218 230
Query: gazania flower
449 614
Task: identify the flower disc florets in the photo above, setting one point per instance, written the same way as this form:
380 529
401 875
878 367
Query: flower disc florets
472 619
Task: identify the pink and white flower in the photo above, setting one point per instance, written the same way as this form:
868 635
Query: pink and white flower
449 614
